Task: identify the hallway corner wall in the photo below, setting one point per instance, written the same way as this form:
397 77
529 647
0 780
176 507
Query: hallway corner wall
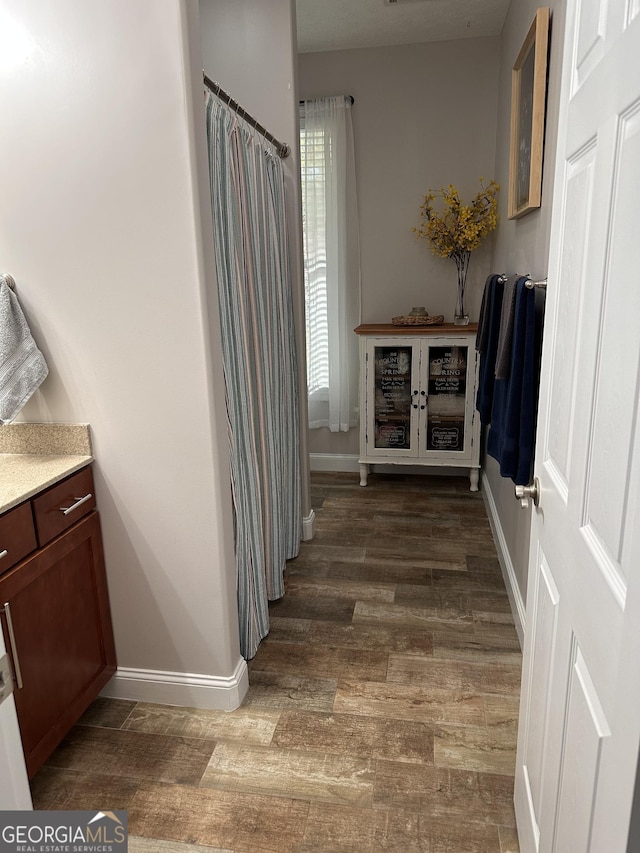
101 227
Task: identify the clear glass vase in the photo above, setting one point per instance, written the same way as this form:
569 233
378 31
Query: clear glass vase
461 315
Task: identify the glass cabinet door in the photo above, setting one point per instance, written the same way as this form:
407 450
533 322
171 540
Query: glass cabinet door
393 368
447 388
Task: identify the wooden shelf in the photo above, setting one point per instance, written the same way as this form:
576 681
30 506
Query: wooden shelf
414 331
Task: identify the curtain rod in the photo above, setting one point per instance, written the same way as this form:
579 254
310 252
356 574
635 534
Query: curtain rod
348 97
281 147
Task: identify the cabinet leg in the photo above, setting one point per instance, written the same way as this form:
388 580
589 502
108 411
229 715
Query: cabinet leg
474 477
364 473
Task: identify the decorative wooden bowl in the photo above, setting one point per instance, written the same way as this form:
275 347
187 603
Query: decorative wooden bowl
418 320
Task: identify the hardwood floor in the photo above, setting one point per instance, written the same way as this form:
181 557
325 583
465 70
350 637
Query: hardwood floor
382 710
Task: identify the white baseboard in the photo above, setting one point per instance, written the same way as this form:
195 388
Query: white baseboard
506 564
334 462
189 690
308 526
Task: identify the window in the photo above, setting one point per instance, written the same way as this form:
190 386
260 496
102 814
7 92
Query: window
331 261
312 163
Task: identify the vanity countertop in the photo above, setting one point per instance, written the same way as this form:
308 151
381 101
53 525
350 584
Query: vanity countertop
35 456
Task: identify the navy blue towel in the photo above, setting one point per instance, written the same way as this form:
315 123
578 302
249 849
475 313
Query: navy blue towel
511 438
487 344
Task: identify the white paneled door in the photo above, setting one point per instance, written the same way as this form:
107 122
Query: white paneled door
14 785
580 713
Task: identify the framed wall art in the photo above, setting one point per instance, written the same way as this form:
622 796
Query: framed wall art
528 101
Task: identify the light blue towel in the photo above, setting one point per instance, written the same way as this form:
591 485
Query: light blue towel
22 366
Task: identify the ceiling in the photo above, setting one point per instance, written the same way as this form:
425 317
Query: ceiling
346 24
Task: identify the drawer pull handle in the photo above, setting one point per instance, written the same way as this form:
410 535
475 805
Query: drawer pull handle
12 643
3 553
65 510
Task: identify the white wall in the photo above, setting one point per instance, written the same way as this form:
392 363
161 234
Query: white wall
425 115
104 204
522 245
249 49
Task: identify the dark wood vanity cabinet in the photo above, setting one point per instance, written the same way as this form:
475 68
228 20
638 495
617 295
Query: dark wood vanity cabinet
55 614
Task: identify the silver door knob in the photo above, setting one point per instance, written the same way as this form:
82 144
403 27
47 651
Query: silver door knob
527 493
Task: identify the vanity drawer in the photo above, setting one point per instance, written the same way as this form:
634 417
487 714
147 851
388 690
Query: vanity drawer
17 536
62 505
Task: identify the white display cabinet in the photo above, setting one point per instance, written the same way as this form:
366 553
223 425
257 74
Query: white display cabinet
417 397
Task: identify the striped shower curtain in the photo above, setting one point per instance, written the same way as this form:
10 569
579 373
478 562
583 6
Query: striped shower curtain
259 354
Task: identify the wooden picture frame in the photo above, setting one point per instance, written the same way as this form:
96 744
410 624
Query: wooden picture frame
528 102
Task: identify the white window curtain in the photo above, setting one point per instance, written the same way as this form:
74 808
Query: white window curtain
331 261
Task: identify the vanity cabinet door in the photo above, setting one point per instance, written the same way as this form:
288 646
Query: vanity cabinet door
61 640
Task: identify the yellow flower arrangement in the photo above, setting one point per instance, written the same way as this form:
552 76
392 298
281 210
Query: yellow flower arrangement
460 228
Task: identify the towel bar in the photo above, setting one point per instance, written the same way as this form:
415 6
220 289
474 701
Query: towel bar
531 284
